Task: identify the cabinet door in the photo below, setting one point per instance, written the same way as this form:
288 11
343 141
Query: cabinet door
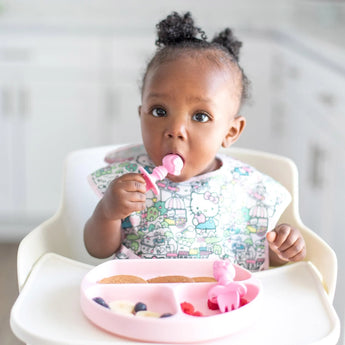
256 62
62 118
311 96
51 102
7 127
123 101
12 140
127 56
317 161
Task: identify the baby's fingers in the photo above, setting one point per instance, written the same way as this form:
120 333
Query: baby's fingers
296 252
132 195
287 243
125 195
130 183
285 237
271 236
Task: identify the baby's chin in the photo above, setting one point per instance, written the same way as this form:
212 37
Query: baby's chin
178 179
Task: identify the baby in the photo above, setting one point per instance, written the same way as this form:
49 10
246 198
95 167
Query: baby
192 92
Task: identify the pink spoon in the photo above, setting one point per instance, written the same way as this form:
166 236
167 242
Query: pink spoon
172 164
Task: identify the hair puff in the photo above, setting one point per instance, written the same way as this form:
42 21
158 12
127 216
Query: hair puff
229 41
176 29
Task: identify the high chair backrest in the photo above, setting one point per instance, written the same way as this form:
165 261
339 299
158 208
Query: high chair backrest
63 233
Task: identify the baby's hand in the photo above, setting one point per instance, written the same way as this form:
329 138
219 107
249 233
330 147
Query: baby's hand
125 195
286 243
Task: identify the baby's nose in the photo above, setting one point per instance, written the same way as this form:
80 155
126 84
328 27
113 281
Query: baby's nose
177 128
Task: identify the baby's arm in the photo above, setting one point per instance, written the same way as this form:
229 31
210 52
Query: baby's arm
286 244
102 232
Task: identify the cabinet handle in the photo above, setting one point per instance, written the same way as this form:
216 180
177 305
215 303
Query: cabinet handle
23 103
327 99
15 54
6 102
111 104
317 159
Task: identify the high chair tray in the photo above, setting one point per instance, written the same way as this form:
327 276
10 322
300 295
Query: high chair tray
296 309
162 298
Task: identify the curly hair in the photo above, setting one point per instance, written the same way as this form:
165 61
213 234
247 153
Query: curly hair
177 34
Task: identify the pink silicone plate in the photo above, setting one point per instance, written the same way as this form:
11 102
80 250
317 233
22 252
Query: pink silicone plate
166 298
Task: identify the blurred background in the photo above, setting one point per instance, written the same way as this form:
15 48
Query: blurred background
69 79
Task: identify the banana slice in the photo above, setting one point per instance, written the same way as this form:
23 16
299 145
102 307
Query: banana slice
147 313
122 307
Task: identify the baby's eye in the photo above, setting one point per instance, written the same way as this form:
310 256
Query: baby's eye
201 117
159 112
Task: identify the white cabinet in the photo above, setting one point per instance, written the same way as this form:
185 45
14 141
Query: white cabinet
63 117
255 59
298 110
51 102
310 105
59 93
128 57
13 115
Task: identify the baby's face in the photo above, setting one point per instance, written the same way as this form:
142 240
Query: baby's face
189 107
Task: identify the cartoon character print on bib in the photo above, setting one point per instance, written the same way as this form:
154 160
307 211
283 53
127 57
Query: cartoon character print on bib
222 214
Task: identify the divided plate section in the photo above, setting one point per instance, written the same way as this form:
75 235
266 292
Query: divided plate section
197 295
164 298
158 299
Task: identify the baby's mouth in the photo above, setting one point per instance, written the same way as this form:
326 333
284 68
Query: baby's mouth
173 163
178 154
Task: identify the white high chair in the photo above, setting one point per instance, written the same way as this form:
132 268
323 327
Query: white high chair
63 233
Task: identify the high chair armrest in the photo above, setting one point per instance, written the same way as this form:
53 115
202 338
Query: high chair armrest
322 256
46 237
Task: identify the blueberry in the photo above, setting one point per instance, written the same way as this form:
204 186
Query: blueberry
101 301
140 307
166 315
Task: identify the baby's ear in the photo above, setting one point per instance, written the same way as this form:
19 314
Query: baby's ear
139 110
236 127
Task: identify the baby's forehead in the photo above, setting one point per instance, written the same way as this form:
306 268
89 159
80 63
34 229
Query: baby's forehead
188 63
202 59
213 56
196 78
